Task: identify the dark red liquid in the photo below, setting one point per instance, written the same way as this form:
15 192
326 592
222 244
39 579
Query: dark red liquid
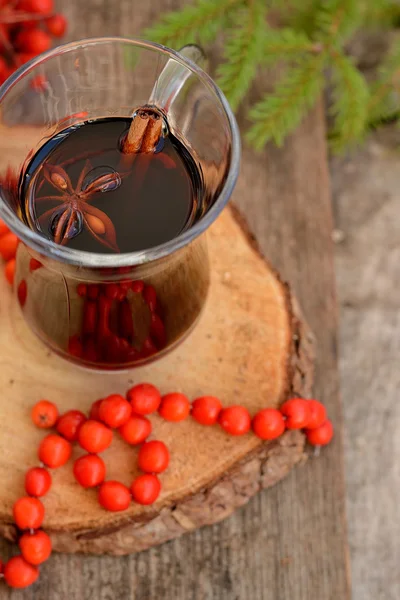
156 198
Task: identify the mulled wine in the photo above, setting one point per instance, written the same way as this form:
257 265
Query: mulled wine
115 185
111 202
81 190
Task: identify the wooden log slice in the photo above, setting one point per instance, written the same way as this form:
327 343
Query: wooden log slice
250 347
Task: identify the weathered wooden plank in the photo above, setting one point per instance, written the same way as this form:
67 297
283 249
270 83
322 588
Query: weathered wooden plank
290 542
367 205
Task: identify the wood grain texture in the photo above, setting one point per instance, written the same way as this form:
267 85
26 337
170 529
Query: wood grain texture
367 207
266 358
288 543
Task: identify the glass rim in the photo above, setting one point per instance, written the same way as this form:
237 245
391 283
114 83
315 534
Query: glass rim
96 260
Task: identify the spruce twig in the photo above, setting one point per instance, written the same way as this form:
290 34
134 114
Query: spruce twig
242 53
350 103
385 92
380 13
313 35
200 22
287 44
278 114
336 20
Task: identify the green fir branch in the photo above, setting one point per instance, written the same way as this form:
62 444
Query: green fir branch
198 22
279 113
287 44
242 53
385 92
302 15
336 20
350 103
380 14
312 34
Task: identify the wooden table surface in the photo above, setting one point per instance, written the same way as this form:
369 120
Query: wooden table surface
289 542
366 204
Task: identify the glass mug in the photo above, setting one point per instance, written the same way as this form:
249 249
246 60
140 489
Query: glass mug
115 311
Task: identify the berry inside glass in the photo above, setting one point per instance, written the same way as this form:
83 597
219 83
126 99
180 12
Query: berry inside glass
128 154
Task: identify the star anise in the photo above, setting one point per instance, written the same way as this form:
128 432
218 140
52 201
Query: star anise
75 212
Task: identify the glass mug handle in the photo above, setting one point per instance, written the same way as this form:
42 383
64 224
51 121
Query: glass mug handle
174 76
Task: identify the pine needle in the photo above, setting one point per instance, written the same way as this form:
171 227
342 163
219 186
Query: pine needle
385 92
242 53
302 15
312 35
380 13
350 103
286 44
198 22
337 19
279 113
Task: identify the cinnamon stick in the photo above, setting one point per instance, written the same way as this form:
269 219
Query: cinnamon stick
144 133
